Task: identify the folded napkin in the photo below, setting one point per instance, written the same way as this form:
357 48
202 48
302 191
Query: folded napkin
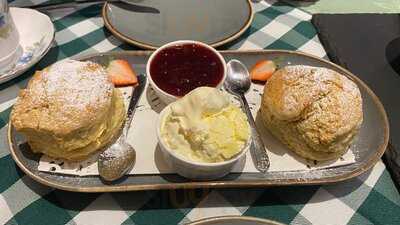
367 44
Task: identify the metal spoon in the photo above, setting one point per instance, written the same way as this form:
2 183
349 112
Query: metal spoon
238 83
116 160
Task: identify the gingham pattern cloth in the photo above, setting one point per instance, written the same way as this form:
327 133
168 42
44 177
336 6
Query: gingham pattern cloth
368 199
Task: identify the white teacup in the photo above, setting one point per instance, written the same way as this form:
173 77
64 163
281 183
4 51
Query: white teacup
9 38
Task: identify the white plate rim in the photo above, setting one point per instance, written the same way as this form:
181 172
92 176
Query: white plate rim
15 72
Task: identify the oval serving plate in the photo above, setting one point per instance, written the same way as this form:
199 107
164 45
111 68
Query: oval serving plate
234 220
367 148
152 23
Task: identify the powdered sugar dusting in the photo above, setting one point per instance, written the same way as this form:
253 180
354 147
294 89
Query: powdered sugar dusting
77 84
303 85
115 152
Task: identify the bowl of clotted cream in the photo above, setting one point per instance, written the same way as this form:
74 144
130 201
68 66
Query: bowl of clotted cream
203 134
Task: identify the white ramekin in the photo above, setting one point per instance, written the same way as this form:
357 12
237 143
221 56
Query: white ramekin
166 97
191 169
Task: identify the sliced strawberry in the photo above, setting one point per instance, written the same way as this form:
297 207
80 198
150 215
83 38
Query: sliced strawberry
121 73
262 70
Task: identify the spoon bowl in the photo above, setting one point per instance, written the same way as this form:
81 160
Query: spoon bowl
115 161
238 79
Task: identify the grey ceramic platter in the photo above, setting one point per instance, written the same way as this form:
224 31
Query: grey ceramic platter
368 146
235 220
153 23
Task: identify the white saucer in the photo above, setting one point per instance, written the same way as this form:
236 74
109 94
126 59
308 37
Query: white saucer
36 33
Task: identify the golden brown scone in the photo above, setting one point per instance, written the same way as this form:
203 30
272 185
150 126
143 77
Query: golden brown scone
315 111
69 110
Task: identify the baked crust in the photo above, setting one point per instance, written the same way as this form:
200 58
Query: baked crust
315 111
69 110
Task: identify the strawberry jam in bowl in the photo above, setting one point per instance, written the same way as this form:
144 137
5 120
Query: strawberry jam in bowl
179 67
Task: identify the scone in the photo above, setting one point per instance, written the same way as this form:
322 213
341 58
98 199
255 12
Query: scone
69 110
315 111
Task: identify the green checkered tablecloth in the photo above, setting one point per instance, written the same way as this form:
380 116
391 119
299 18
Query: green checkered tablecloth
368 199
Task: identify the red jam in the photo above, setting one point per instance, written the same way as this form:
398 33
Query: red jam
181 68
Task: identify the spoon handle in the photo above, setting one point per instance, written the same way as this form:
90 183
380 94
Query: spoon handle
136 93
257 148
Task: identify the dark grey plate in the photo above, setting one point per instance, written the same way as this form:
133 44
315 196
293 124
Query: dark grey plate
153 23
235 220
368 147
